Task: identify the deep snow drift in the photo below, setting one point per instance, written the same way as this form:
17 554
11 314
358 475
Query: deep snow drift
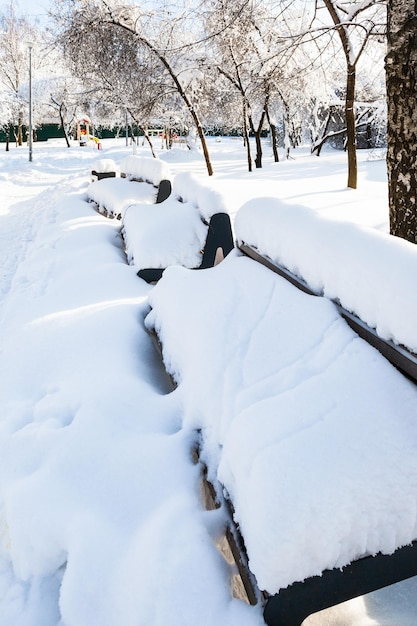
101 522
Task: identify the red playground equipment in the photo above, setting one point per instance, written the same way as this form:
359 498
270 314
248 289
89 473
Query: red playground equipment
83 133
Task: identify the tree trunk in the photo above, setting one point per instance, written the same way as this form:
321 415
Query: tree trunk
258 155
350 88
188 104
286 127
401 75
257 132
351 127
63 125
246 136
258 158
20 129
203 143
164 61
317 146
67 141
148 139
274 141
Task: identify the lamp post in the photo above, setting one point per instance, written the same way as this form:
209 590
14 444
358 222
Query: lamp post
30 46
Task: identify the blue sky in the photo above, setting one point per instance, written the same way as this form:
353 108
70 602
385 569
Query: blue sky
31 8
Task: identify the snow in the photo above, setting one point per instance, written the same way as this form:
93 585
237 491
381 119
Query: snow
168 233
113 196
291 382
172 232
145 168
374 278
101 521
104 166
202 194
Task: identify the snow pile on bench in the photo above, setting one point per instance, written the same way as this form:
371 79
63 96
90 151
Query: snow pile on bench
145 169
172 232
313 433
114 195
374 278
104 166
169 233
204 196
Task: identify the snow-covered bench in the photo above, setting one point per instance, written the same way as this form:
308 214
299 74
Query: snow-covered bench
103 168
140 177
368 274
152 171
310 432
190 228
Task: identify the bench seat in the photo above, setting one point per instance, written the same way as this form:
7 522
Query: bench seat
190 228
114 195
310 431
171 233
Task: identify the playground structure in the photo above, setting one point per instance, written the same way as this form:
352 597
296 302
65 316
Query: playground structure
83 133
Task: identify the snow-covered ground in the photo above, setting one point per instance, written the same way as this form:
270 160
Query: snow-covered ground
101 522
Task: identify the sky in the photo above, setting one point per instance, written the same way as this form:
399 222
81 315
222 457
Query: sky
31 8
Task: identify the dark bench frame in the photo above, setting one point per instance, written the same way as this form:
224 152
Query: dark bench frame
291 606
101 175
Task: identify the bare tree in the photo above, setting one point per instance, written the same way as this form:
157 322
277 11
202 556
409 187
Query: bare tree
354 22
64 103
401 71
134 35
109 73
246 55
14 61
